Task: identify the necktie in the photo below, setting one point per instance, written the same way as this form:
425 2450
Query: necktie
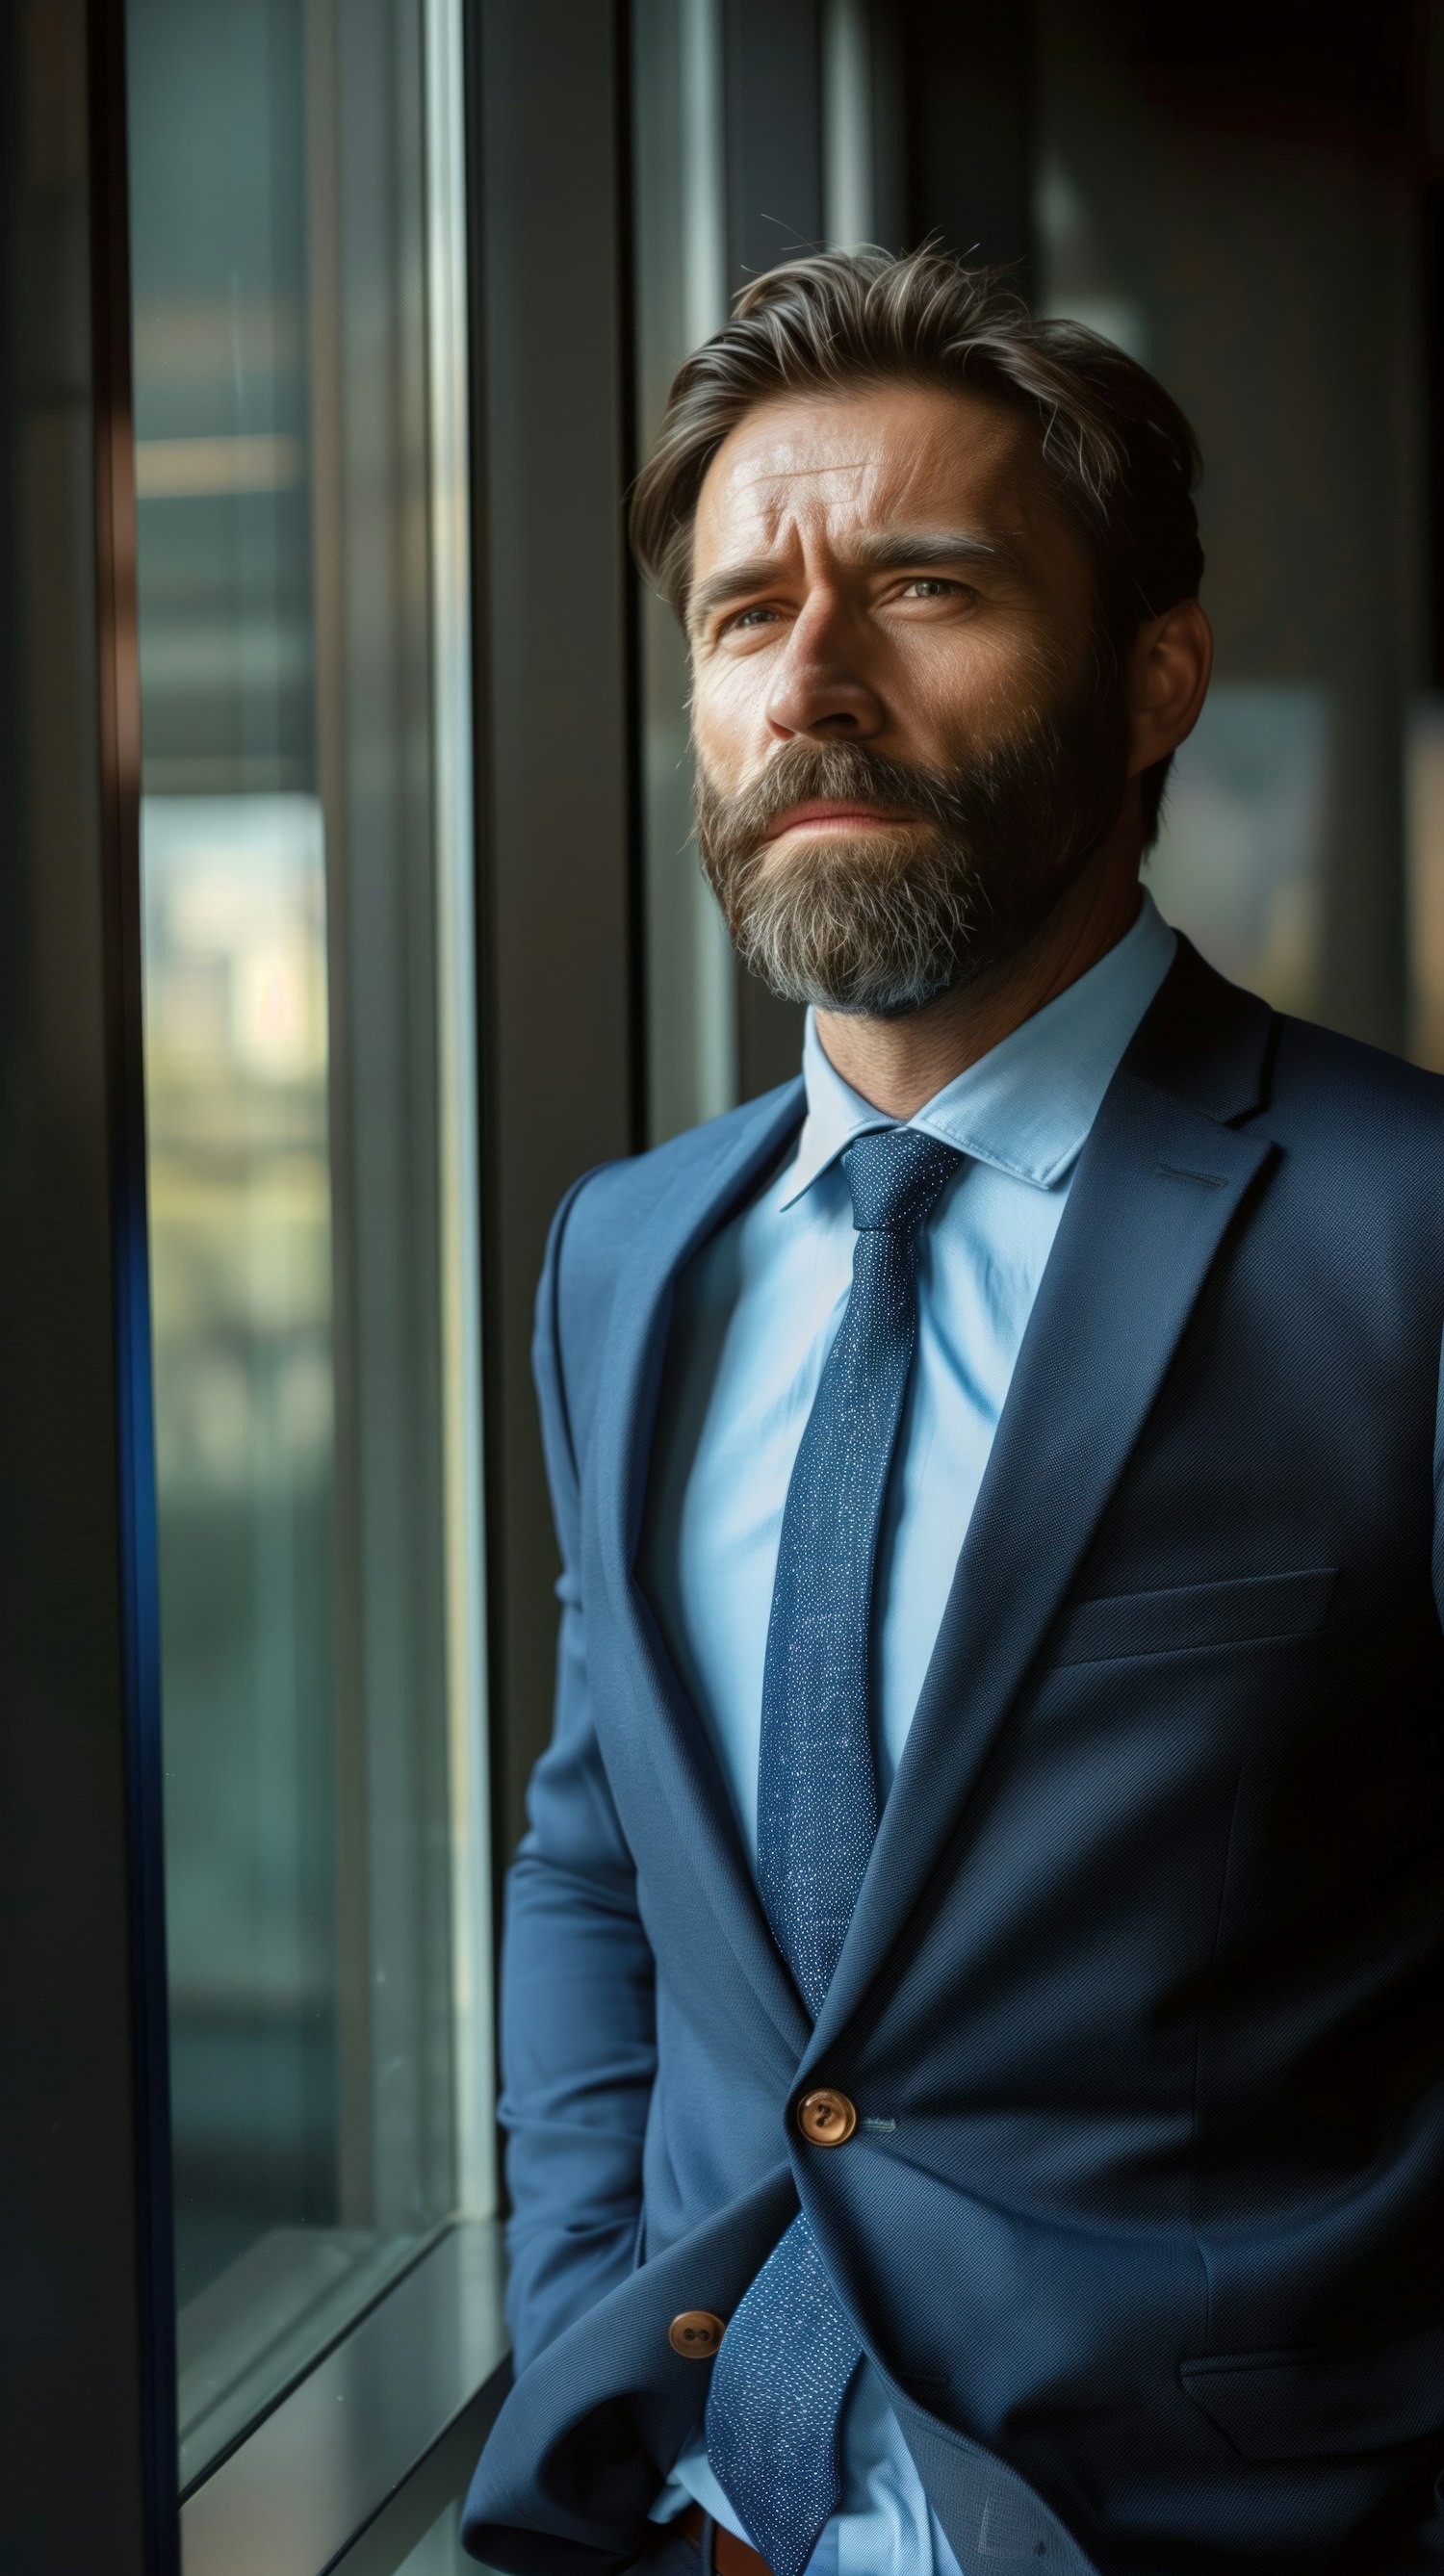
790 2350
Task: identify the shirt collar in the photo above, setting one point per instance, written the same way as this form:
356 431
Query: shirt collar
1027 1105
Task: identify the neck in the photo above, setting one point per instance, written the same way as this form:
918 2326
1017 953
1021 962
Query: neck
896 1065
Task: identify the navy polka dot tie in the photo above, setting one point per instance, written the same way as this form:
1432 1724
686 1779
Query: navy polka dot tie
790 2350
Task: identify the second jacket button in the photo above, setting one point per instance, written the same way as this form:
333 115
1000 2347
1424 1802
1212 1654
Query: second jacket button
826 2117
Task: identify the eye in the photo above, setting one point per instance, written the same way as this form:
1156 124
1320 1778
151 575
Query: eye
934 585
745 617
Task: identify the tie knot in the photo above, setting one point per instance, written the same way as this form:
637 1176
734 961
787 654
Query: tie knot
895 1175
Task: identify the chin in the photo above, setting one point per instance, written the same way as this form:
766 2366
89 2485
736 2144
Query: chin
843 990
840 854
850 923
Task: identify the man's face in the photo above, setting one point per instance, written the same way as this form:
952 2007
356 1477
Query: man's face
905 750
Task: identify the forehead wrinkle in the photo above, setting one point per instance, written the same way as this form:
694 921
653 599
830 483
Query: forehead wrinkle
805 495
982 481
797 473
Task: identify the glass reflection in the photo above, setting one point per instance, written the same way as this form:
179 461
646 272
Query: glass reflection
241 1259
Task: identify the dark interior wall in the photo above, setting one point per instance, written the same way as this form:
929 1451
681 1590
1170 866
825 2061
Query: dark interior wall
1236 197
953 128
560 1005
772 76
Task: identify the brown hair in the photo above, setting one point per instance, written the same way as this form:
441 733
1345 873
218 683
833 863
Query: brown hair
1123 458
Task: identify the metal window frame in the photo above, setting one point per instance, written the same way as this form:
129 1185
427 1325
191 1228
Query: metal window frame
89 2319
318 2470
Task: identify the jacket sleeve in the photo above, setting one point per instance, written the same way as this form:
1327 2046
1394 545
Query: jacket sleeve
578 2045
1439 1496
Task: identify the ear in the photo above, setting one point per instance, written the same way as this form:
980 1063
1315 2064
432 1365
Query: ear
1168 676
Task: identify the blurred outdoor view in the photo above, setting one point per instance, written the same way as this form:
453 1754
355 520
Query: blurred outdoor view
233 872
241 1260
295 949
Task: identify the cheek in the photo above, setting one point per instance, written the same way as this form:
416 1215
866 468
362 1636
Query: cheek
729 718
970 682
946 686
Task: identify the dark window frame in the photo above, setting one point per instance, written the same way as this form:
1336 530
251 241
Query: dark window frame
90 2340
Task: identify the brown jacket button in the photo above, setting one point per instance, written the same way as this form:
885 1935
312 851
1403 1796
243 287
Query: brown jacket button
826 2118
695 2334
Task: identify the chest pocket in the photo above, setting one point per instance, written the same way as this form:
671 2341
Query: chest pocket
1248 1609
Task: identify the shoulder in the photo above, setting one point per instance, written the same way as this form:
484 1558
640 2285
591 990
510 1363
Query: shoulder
602 1214
1360 1190
618 1206
605 1217
1235 1056
1344 1096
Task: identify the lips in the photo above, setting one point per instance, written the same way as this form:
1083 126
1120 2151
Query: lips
832 814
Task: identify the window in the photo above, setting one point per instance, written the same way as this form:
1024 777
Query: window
296 245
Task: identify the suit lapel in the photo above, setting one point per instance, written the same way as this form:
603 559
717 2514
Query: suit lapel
663 1741
1159 1183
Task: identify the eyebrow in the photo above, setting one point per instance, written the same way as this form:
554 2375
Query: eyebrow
881 550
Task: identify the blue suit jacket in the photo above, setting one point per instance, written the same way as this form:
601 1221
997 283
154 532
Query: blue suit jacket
1143 2002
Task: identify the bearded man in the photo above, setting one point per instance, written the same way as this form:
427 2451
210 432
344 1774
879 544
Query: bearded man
973 1997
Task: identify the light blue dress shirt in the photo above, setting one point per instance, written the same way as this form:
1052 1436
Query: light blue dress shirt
753 1320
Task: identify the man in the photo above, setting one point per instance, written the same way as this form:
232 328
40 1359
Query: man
972 1991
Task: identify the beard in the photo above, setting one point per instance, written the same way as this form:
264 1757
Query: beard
877 924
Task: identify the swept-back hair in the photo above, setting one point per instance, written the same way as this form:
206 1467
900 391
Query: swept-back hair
1122 458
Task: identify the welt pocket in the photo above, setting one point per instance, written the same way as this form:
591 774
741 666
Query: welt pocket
1325 2398
1247 1609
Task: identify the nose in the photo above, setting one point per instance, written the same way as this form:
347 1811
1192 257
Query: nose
819 688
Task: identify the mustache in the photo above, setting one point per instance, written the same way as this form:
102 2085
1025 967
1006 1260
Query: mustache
803 773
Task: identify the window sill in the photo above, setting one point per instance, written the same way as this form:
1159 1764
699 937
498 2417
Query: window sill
320 2467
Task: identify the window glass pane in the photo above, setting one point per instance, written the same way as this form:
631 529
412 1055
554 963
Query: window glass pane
295 237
